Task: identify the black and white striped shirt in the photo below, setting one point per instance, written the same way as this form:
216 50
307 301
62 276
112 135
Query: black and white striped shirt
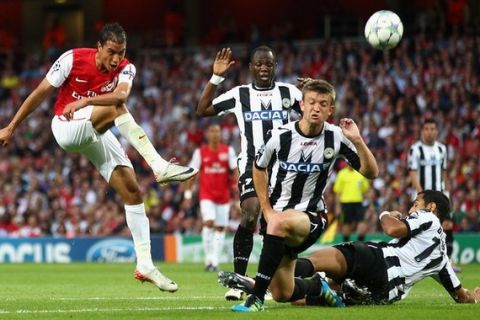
257 111
421 254
429 162
301 165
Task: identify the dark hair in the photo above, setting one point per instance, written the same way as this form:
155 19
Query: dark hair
319 86
113 32
441 200
429 121
262 49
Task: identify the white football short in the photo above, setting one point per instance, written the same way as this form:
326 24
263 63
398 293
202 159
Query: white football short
217 212
78 135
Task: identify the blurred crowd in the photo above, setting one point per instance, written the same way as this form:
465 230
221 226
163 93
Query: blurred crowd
45 191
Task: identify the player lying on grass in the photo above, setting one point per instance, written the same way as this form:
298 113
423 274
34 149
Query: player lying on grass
382 273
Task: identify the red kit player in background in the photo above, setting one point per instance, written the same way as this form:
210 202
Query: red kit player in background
218 175
94 85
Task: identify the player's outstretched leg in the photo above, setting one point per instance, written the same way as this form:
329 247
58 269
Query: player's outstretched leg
156 278
163 170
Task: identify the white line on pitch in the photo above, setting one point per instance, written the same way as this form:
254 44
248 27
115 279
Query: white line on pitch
23 311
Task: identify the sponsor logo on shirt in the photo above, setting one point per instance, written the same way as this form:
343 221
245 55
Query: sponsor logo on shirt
265 115
302 167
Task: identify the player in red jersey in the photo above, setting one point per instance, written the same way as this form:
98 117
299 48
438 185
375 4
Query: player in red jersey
217 165
93 87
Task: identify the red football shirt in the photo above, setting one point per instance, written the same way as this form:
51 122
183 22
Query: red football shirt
77 76
215 171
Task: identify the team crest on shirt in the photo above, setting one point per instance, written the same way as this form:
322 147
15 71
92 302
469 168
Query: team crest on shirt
328 153
109 86
286 103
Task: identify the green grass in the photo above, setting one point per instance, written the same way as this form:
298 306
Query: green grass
108 291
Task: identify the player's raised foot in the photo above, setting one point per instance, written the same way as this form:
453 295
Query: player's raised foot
234 280
330 297
234 295
174 173
156 278
252 304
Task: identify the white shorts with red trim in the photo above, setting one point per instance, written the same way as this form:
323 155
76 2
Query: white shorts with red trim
78 135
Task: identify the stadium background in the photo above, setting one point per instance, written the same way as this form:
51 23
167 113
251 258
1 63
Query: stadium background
52 204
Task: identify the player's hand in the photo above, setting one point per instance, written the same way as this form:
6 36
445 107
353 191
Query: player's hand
350 129
72 107
5 135
396 214
223 62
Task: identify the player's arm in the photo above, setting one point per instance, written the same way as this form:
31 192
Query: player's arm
368 164
392 226
415 181
413 168
450 282
260 177
260 181
38 95
223 61
117 97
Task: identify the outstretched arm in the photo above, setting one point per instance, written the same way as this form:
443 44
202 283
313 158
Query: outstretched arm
223 62
368 164
41 92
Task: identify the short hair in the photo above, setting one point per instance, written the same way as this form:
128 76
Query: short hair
263 49
429 121
112 32
440 199
319 86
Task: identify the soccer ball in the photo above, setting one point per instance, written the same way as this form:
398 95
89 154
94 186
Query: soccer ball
383 30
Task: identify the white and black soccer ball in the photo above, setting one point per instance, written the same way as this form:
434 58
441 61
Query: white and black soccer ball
383 30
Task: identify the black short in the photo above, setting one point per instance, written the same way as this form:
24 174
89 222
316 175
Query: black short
352 212
317 225
245 185
366 265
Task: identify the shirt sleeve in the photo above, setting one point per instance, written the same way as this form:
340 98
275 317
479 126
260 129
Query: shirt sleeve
447 278
445 158
127 74
265 153
196 161
225 103
60 69
232 158
349 153
412 159
418 223
297 97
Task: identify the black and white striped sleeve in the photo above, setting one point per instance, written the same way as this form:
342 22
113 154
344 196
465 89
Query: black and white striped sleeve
447 278
349 153
226 102
413 158
265 153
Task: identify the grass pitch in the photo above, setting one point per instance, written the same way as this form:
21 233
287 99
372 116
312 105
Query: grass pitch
108 291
